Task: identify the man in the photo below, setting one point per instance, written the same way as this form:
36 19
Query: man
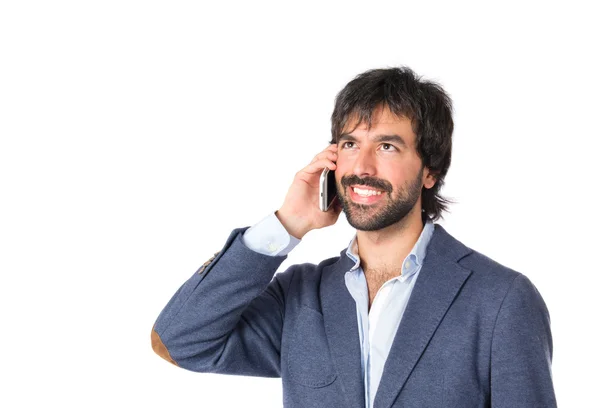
406 316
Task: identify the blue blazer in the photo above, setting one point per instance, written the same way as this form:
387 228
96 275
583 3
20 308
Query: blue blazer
474 333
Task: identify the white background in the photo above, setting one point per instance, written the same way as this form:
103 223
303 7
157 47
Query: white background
136 134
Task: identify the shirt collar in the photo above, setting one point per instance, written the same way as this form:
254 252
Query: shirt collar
413 260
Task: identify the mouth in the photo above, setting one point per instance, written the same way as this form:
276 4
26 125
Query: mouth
365 195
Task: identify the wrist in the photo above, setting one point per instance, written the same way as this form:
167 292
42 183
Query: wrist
295 226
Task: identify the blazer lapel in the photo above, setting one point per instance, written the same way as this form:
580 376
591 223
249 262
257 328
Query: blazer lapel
341 328
438 283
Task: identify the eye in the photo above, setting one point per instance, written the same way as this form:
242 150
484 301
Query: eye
388 147
346 145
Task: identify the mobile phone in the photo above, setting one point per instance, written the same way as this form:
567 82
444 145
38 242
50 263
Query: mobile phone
327 189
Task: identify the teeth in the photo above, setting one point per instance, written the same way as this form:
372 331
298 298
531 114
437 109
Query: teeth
366 193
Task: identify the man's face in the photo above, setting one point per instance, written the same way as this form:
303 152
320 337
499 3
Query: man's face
379 174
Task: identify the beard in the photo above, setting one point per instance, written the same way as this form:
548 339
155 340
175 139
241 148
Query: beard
381 214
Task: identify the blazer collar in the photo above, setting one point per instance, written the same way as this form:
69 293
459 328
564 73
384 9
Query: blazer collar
440 280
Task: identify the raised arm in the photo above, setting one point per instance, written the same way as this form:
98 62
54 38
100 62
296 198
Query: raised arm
227 318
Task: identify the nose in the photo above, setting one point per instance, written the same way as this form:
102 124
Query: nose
364 163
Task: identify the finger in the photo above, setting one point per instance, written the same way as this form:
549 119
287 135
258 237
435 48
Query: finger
326 154
318 166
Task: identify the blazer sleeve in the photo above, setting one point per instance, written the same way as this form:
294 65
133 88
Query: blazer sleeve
521 353
228 317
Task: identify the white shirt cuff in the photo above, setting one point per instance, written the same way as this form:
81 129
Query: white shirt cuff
269 237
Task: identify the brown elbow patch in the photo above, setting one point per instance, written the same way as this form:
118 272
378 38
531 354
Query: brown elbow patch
159 348
212 258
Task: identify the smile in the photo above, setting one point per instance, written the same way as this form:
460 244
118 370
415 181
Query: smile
365 192
364 195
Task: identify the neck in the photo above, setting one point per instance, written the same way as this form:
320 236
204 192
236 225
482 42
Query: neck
387 248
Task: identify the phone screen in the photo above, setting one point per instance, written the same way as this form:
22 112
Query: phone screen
331 188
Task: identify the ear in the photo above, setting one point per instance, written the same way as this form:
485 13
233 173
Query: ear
429 178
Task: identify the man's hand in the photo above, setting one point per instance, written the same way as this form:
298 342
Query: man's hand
300 211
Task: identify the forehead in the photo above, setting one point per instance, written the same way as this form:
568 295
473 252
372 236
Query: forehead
383 122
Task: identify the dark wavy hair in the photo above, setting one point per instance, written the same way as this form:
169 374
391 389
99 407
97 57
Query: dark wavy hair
425 103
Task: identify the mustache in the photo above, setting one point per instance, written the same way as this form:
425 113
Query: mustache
367 181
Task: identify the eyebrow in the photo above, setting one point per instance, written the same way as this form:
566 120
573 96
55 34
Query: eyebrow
379 138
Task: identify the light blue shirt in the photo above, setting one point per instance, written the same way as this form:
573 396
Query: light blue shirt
377 327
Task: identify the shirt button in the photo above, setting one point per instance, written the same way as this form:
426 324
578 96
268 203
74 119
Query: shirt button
271 247
407 265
